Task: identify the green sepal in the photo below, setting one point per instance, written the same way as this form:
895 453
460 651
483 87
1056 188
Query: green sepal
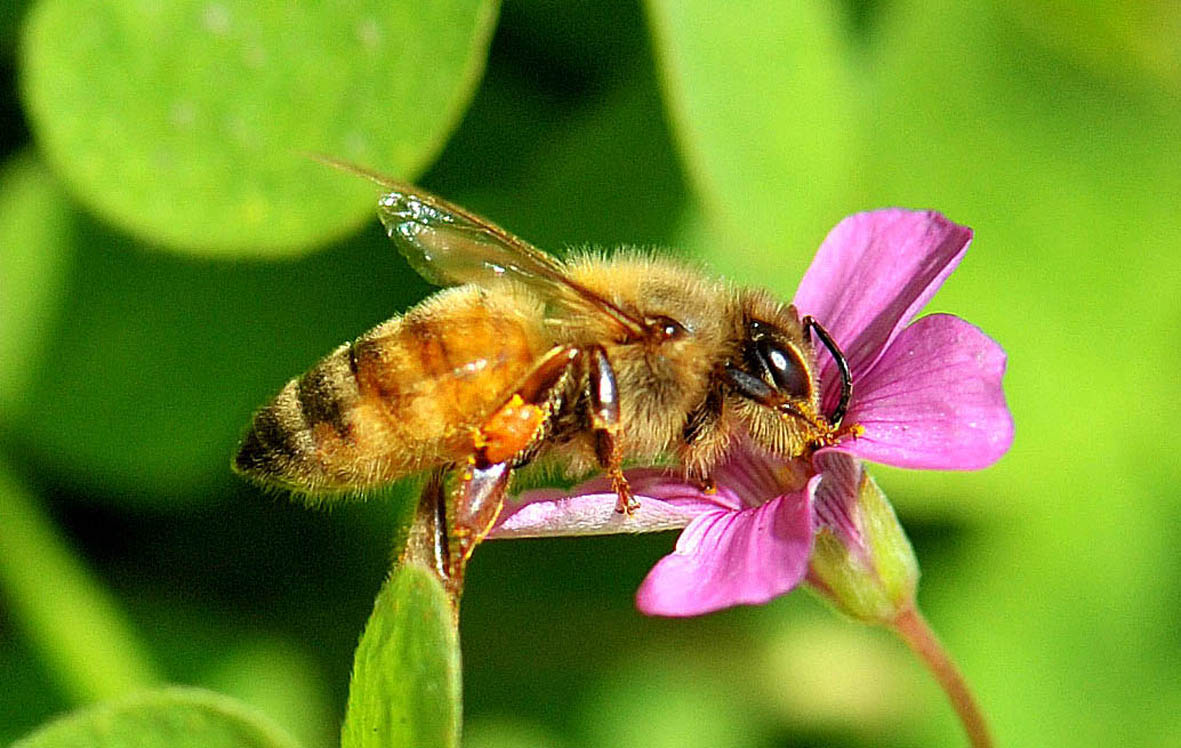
874 577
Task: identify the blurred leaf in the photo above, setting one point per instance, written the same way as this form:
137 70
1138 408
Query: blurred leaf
1131 39
504 733
281 681
405 690
169 718
1061 176
11 13
186 122
762 104
67 614
35 225
661 704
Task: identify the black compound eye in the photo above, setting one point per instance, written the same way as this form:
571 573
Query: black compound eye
786 369
666 328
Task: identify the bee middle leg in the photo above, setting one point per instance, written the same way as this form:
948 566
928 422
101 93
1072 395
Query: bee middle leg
604 415
497 444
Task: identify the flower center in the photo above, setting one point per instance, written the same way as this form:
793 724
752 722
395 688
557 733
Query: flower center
829 435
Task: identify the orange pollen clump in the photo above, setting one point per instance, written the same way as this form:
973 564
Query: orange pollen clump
509 430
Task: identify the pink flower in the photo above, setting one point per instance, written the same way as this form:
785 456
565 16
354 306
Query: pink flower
927 393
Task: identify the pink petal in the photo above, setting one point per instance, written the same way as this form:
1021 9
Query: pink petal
726 558
934 400
589 514
869 278
666 503
837 495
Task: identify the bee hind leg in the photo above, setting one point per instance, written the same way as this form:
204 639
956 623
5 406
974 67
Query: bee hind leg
429 541
604 399
497 445
476 502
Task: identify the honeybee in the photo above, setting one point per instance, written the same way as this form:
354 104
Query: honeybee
593 361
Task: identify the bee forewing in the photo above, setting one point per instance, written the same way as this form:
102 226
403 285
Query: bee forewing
448 245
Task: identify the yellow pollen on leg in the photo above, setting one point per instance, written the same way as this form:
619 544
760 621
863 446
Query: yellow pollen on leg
479 440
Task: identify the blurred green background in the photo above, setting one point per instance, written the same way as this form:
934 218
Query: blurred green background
168 258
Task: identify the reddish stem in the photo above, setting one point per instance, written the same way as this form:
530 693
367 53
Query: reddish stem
917 633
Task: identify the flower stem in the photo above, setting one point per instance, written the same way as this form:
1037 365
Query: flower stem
917 633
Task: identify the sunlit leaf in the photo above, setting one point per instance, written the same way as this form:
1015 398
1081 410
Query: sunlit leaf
1061 176
188 122
1132 40
169 718
1066 175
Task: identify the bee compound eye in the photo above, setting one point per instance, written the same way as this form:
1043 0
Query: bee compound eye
787 371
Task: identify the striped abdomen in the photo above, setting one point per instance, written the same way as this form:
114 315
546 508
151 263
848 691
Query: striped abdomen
401 398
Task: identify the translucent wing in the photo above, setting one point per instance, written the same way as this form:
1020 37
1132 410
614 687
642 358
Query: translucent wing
451 246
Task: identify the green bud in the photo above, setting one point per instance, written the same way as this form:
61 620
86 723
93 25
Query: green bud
862 560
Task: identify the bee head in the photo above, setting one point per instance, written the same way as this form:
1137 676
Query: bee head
772 378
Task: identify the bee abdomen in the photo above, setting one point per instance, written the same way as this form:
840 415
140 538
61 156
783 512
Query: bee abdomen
303 438
402 398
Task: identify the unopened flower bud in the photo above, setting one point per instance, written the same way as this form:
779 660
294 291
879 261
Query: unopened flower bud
862 560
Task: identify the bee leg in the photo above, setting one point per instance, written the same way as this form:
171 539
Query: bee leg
508 433
429 542
604 400
477 500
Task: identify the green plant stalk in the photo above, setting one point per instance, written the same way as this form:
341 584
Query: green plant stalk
65 612
913 628
406 688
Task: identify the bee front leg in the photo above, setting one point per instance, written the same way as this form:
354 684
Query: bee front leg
514 428
604 399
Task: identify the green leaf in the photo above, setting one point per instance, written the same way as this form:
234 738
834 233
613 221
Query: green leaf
280 679
1135 41
187 122
406 683
761 101
169 718
35 223
11 13
69 617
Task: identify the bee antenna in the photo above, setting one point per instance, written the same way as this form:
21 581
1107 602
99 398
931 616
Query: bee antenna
838 413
